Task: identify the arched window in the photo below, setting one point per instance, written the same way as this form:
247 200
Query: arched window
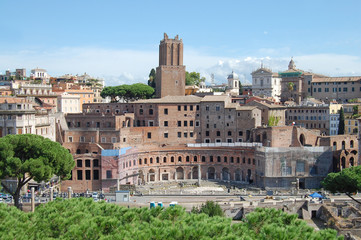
179 159
172 159
195 158
351 144
164 159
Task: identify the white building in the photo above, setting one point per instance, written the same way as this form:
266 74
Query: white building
39 73
19 116
69 103
233 84
266 83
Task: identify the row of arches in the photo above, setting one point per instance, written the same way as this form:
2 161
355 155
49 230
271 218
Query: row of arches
182 173
36 92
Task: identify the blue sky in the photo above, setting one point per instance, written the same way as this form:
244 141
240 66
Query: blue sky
119 40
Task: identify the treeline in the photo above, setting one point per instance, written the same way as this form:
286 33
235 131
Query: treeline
127 92
84 219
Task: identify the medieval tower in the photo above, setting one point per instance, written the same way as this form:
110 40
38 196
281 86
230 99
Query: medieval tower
170 74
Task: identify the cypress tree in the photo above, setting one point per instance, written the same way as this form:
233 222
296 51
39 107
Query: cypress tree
341 124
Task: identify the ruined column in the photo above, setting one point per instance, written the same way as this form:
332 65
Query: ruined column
33 199
199 175
51 194
69 192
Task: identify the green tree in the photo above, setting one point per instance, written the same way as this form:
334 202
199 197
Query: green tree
240 88
347 181
82 218
291 86
27 156
355 110
109 92
128 92
210 208
273 121
341 124
194 78
151 80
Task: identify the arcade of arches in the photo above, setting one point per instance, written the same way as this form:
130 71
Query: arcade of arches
217 165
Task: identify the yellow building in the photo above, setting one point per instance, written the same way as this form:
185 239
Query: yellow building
351 126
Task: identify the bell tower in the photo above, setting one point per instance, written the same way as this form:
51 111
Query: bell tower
170 74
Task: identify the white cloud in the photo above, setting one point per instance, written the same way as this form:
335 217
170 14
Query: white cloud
131 66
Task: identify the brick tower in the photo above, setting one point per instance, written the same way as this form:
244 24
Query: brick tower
170 75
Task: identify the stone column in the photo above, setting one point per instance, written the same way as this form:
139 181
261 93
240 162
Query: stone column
51 194
199 175
69 192
33 199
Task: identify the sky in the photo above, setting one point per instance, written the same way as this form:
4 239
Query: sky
119 40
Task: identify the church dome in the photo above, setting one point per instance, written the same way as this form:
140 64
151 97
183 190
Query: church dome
292 64
233 75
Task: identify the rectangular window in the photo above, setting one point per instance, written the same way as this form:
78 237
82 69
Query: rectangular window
179 134
165 123
149 135
165 111
109 174
179 123
70 139
197 123
165 135
82 139
179 108
114 139
95 163
87 163
80 174
87 174
185 123
95 174
79 163
191 134
185 134
207 133
191 123
191 107
103 140
185 107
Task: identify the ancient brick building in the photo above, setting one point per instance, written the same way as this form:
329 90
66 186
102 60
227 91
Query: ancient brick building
189 138
170 74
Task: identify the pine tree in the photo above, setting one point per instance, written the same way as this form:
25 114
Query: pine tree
341 124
